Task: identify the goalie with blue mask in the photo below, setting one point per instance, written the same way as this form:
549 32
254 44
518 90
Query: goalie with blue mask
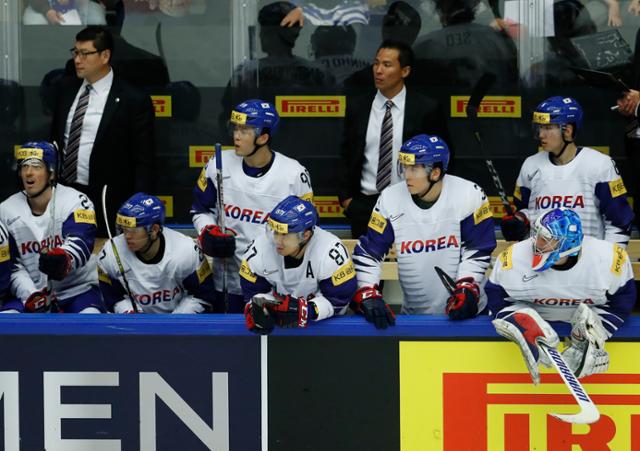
561 275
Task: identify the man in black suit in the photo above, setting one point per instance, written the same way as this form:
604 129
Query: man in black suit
368 135
104 126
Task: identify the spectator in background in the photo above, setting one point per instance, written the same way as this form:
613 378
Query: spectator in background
63 12
333 48
375 126
457 55
104 126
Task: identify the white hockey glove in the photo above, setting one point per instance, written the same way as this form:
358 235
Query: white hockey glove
528 330
586 354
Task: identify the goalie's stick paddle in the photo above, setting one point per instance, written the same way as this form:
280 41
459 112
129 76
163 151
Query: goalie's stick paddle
115 251
588 411
220 192
446 279
477 94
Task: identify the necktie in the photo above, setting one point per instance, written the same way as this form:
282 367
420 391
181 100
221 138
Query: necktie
70 166
386 149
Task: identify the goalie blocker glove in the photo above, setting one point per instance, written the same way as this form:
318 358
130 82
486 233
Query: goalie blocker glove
369 302
56 263
527 329
515 227
214 242
586 355
463 303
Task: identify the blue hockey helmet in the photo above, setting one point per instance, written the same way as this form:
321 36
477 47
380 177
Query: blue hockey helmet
556 234
293 215
258 114
559 110
424 149
38 151
140 210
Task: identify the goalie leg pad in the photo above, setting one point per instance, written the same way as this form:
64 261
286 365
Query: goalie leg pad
527 329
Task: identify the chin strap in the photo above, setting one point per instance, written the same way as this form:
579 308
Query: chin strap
303 243
566 143
431 185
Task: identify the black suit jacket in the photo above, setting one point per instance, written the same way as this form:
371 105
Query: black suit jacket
421 115
123 153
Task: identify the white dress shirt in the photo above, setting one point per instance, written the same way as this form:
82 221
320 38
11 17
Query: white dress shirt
372 143
97 100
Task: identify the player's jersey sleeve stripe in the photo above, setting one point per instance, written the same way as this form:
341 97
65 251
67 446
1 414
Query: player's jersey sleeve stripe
496 298
79 239
250 289
523 202
616 211
340 295
478 242
204 203
112 292
202 290
618 307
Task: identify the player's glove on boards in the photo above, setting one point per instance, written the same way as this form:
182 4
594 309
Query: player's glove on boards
257 318
217 243
38 302
463 303
56 263
515 227
291 312
369 302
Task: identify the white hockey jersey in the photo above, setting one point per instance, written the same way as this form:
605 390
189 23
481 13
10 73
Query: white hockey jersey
456 234
6 263
180 282
248 202
73 229
325 275
590 185
602 278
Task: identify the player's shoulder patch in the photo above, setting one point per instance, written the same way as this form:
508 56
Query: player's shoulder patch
377 222
482 212
308 197
202 179
203 271
85 216
619 257
616 187
246 273
516 192
103 276
4 253
506 258
344 273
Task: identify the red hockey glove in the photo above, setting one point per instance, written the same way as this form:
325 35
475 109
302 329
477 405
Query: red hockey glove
56 263
38 302
515 227
291 312
463 303
216 243
369 302
258 319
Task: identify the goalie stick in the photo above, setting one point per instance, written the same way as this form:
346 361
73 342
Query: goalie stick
588 411
134 303
220 193
477 94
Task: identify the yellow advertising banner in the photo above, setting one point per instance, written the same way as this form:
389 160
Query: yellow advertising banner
168 205
491 106
200 155
161 105
311 106
478 396
328 206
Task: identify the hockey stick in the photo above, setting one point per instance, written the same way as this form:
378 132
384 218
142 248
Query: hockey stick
477 94
134 304
51 230
220 193
588 410
446 280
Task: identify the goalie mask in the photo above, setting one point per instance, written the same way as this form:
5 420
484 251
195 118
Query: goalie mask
555 235
140 210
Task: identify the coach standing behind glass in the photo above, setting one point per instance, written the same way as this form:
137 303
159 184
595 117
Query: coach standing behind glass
104 126
376 124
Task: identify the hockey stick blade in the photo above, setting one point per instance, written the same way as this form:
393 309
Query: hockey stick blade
446 279
588 410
